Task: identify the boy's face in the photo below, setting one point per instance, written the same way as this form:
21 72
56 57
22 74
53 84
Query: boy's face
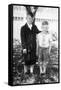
45 27
29 19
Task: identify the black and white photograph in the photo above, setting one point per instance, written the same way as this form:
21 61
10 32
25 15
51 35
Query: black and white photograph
35 40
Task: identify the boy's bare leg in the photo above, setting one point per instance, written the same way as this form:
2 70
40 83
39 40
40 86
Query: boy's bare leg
25 68
40 67
44 67
31 69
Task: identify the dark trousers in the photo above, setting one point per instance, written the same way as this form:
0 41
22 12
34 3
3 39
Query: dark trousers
30 57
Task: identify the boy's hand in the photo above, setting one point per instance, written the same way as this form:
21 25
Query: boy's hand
37 63
24 51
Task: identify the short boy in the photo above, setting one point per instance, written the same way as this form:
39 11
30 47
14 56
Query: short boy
44 46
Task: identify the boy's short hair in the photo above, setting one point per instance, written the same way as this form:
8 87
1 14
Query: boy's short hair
45 23
31 14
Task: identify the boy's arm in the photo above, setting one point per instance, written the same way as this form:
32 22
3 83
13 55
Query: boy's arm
37 31
37 45
23 40
50 44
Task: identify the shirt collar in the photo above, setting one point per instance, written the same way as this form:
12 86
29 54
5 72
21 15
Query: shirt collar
29 25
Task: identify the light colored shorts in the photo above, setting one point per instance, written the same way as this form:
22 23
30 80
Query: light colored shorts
43 54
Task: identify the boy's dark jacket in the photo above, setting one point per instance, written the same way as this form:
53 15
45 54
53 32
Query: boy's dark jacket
28 40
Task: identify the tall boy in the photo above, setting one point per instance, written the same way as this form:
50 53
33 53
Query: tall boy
28 39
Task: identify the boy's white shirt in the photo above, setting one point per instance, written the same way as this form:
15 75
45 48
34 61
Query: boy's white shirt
44 39
46 43
29 25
